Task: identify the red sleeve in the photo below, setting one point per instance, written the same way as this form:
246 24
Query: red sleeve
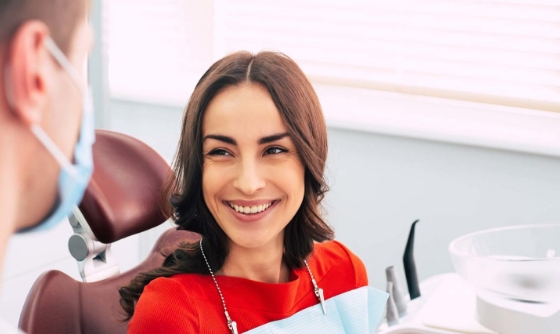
358 266
164 307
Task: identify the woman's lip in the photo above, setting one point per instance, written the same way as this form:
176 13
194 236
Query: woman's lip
249 218
250 203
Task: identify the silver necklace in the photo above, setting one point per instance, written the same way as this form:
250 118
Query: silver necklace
232 325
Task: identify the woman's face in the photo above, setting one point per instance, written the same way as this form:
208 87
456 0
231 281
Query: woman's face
252 178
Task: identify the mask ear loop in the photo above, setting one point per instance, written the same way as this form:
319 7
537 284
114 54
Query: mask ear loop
47 142
36 129
53 149
59 56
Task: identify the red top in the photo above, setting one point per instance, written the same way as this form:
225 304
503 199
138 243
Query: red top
190 303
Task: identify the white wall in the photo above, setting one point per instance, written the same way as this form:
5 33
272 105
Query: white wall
381 184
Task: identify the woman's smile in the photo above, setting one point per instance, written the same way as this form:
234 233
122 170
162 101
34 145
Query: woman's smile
251 211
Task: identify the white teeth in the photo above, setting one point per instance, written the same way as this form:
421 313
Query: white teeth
250 209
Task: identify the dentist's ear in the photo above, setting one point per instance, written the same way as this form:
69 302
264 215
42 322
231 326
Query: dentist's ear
26 72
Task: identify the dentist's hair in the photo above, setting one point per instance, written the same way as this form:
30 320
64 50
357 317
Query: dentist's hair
60 16
301 113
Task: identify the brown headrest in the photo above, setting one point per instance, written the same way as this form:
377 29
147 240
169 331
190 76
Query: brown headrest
123 195
58 304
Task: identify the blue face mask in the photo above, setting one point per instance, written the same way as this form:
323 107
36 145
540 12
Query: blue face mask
74 177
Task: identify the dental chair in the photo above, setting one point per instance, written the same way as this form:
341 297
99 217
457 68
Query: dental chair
121 200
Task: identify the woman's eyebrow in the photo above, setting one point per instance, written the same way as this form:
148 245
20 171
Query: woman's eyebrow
263 140
272 138
223 138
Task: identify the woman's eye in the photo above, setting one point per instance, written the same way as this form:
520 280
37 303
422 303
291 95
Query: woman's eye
219 152
275 150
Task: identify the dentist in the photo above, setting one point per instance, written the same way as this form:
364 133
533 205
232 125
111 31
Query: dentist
46 120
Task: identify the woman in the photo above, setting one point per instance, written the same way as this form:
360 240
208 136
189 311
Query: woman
249 170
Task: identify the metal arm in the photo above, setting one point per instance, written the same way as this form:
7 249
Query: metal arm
96 262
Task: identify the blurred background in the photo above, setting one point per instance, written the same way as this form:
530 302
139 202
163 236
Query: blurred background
444 111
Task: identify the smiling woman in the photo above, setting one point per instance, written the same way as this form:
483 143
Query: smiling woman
249 178
253 179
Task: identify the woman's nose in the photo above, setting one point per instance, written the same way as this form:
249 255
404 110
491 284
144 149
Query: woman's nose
249 180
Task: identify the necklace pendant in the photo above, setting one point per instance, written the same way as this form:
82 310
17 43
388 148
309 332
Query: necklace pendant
233 327
322 300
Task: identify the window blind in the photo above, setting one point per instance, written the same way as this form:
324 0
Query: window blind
157 50
492 51
504 52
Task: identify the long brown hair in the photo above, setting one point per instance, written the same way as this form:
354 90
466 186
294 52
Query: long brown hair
301 112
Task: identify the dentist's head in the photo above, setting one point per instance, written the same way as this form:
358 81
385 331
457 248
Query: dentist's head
46 126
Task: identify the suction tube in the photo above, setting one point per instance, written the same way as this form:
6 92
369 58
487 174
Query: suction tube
410 265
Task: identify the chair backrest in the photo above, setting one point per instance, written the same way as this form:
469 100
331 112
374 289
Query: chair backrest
121 200
59 304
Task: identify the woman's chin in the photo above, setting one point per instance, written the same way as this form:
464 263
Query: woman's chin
251 241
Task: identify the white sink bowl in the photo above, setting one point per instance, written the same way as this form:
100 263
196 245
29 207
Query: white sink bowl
519 262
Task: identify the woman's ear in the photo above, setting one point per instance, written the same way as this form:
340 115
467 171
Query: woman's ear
27 72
